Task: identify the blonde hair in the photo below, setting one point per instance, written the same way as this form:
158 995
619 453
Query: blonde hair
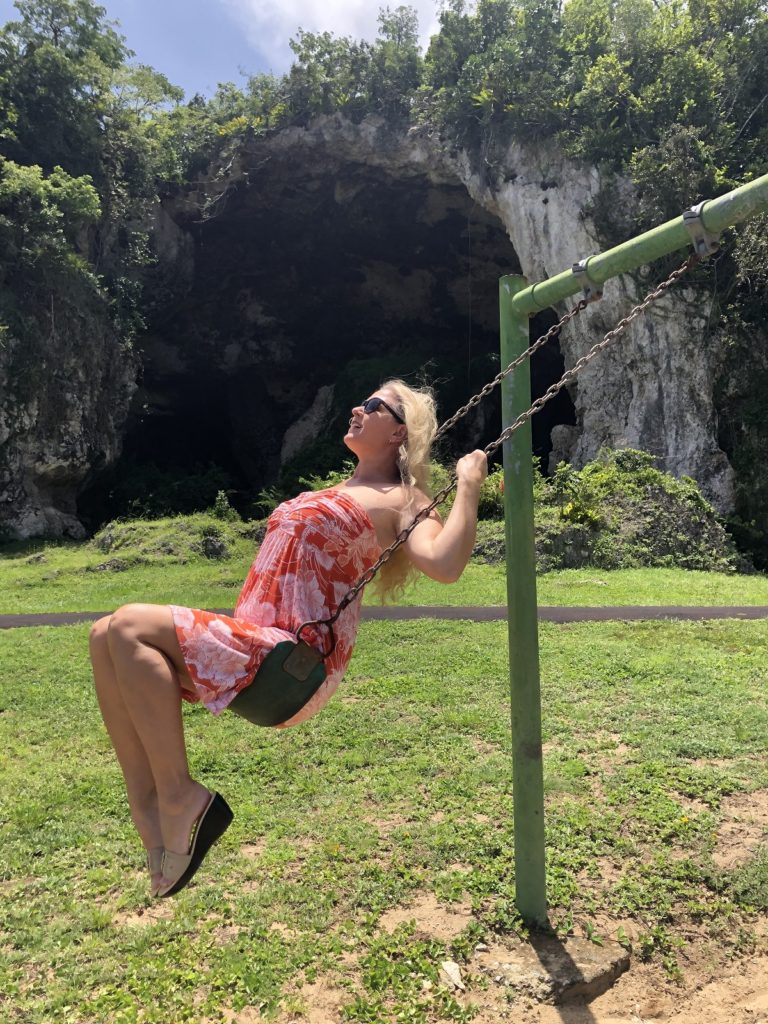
419 410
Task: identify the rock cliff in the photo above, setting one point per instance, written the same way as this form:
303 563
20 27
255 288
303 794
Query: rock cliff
64 403
324 258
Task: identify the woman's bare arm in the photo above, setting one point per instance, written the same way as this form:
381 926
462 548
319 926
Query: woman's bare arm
442 551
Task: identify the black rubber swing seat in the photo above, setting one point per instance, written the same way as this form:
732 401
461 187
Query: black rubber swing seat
290 675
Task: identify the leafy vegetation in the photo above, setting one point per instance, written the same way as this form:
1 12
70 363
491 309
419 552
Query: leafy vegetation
620 511
670 93
164 561
78 165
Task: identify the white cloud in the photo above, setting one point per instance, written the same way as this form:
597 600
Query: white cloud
269 24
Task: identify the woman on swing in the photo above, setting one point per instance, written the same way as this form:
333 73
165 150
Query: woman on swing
148 658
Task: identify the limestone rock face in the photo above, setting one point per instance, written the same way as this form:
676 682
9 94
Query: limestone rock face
308 426
331 254
62 413
653 389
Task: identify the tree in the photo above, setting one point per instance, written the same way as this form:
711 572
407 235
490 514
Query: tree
396 64
76 119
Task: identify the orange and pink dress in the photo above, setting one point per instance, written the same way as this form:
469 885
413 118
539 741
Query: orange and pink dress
316 547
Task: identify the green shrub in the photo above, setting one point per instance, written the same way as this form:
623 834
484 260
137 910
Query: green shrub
223 510
267 501
491 504
331 479
621 512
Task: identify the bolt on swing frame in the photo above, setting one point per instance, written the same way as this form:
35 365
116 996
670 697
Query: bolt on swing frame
517 302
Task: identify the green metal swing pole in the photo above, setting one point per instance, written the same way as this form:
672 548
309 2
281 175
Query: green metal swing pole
517 302
522 617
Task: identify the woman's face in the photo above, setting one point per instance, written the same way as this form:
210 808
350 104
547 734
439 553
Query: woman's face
377 431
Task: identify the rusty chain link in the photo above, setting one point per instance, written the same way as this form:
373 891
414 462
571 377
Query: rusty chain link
523 418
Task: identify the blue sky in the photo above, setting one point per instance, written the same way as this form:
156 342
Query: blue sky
198 43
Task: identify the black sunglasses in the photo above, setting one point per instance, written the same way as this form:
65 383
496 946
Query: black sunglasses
372 404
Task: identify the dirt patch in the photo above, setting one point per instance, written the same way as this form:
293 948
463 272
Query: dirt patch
484 747
607 871
606 761
248 1015
433 920
253 850
735 993
142 918
744 827
320 1002
225 934
739 995
385 826
691 804
716 988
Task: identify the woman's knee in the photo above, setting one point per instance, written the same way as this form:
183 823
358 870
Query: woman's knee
131 621
97 638
150 624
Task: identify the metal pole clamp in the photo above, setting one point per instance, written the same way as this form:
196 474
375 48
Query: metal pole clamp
591 289
704 242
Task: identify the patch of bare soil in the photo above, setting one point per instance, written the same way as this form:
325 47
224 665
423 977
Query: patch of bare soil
252 851
715 989
320 1002
433 920
736 994
744 827
141 918
732 994
608 871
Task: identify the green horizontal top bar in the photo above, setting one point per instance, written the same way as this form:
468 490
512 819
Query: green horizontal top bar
716 214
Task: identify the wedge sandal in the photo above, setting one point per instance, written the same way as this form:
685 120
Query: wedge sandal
209 827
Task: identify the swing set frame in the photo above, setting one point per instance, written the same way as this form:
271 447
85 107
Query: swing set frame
700 227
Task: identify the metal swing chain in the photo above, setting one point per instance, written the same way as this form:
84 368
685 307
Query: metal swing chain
523 418
476 399
569 375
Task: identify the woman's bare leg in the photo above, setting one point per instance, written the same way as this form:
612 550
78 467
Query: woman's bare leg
149 667
131 756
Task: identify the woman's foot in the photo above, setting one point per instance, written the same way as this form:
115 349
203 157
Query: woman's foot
155 868
210 825
178 818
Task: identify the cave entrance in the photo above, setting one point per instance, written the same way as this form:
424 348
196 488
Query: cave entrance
311 286
547 367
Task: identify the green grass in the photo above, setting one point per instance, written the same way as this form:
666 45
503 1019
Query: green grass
399 787
486 585
45 577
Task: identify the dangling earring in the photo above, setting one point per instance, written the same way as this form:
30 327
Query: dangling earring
402 463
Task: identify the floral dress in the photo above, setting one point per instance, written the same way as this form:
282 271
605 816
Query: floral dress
316 547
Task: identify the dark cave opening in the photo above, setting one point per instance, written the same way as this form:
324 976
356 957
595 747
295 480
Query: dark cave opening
547 367
338 275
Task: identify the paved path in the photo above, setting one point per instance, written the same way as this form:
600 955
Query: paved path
574 613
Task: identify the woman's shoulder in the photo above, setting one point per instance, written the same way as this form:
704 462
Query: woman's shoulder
414 501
